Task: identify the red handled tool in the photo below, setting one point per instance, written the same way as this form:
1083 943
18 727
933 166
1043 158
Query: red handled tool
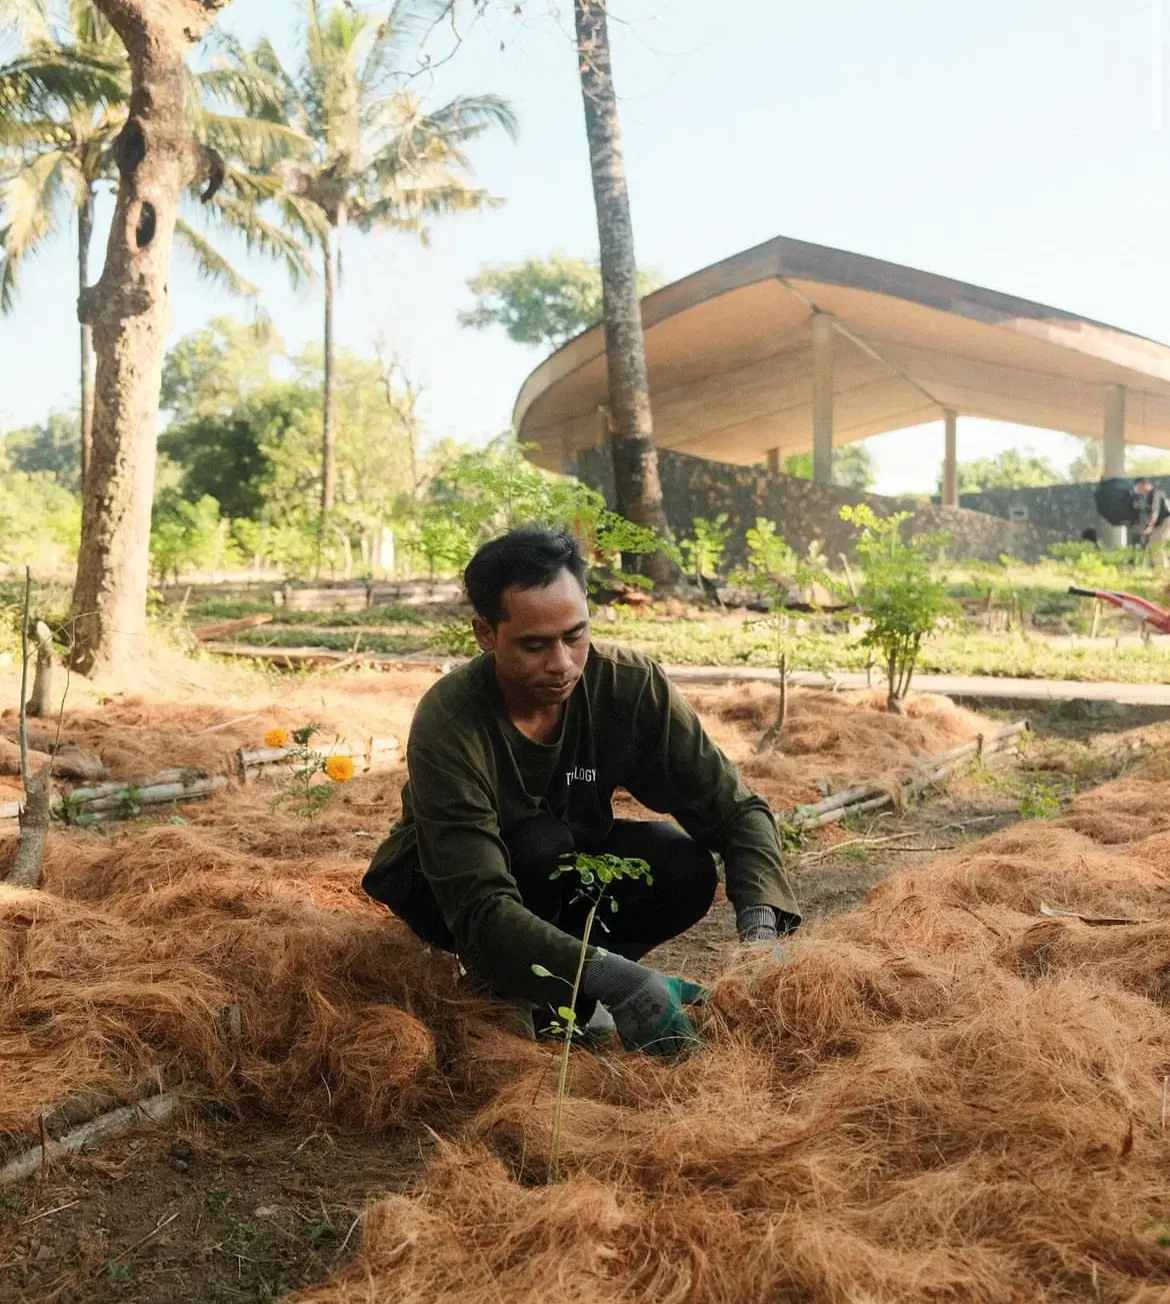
1131 605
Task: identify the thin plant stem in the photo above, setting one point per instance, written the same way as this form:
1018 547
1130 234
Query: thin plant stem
24 773
554 1155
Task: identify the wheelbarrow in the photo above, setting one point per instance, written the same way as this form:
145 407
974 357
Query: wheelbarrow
1143 610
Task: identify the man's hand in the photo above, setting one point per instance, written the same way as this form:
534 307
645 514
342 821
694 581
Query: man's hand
647 1007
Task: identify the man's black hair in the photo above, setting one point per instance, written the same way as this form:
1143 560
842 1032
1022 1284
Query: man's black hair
524 559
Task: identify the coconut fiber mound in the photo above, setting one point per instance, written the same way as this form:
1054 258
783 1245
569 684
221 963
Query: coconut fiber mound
830 740
168 955
943 1095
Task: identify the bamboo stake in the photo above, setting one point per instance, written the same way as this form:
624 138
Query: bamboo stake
152 1109
857 800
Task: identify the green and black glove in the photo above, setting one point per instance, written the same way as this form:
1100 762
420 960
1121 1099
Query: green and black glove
647 1007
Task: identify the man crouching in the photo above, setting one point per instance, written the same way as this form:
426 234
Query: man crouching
512 763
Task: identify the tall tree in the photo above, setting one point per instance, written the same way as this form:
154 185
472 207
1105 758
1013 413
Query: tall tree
129 309
631 425
380 159
68 92
67 96
541 301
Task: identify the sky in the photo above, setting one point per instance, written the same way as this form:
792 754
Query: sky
1015 144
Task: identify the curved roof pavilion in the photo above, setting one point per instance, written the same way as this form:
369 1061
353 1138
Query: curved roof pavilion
791 345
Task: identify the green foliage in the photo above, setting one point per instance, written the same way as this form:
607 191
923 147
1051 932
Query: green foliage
771 563
251 440
852 466
1010 469
1041 802
703 553
213 372
1092 567
52 445
187 536
903 597
541 301
40 522
1140 460
303 795
477 495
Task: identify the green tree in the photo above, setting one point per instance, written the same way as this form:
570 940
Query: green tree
251 439
379 159
1088 467
541 301
852 467
904 594
212 371
50 445
39 521
69 97
186 536
1010 469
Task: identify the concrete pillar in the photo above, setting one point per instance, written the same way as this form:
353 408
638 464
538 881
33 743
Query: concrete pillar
772 460
822 397
950 475
1113 455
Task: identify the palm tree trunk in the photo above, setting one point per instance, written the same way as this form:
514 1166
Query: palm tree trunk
631 426
129 311
84 235
329 433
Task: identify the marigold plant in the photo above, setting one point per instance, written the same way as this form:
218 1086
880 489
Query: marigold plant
339 768
277 738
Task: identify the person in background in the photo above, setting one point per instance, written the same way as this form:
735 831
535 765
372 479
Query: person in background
512 763
1154 517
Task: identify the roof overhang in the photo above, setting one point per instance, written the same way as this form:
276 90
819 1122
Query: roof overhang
729 358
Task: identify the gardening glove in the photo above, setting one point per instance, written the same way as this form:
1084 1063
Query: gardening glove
764 929
756 924
647 1007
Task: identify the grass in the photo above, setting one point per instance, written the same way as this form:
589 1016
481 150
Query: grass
1036 599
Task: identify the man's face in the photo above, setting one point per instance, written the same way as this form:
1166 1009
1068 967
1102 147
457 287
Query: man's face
541 642
1143 486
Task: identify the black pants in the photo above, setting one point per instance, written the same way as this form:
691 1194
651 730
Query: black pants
647 914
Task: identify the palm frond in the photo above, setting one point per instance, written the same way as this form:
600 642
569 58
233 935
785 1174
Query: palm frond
301 215
260 236
210 263
402 34
9 276
60 76
29 20
408 208
253 141
29 199
92 31
21 135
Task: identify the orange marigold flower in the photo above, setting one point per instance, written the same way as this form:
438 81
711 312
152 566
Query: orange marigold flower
339 768
277 738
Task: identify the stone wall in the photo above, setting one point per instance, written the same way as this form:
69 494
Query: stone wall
1065 508
804 511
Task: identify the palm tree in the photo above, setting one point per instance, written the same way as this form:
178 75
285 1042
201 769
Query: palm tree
63 102
380 159
631 425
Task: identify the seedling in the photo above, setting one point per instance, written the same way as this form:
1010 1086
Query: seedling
1040 802
903 598
597 874
302 795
